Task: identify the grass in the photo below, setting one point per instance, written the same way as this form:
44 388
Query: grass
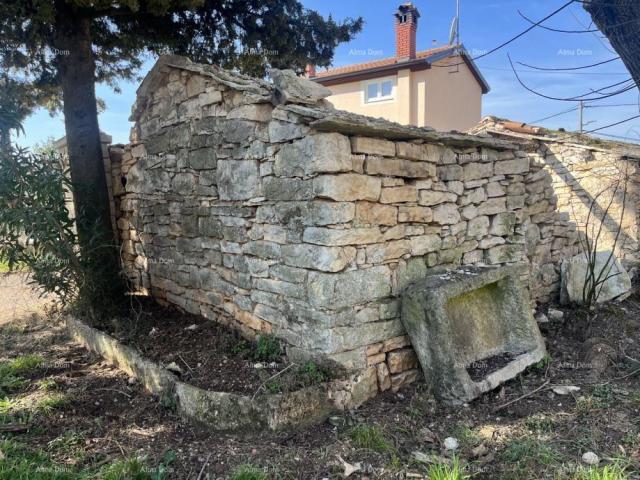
609 472
268 348
248 472
466 436
127 469
529 453
447 472
50 403
11 372
370 438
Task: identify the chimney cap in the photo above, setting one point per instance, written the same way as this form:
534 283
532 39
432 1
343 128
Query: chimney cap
407 7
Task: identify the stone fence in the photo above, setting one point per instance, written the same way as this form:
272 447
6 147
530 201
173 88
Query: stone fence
258 205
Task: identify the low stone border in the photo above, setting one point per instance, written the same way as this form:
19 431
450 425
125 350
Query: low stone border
225 411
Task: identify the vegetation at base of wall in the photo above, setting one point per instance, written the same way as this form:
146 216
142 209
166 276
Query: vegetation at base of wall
370 438
443 471
248 472
268 349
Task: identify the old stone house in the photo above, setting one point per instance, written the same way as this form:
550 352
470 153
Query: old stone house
259 205
440 87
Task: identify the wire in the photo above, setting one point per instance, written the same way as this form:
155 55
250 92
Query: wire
569 68
614 105
558 72
555 29
513 39
554 115
600 128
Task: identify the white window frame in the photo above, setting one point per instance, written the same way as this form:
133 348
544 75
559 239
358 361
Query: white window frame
379 82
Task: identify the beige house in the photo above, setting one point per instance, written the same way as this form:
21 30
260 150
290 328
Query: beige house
440 88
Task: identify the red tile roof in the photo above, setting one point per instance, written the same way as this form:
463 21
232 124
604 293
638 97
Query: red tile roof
359 67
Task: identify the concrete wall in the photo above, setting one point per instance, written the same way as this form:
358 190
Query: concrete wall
256 214
445 98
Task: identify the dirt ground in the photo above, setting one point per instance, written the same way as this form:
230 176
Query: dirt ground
78 417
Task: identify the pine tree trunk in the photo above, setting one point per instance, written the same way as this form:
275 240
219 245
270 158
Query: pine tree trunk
90 194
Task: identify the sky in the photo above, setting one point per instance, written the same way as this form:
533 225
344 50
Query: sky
484 24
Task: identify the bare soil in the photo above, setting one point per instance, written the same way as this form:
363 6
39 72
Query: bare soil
539 435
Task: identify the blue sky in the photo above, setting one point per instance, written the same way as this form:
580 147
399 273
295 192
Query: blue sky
484 24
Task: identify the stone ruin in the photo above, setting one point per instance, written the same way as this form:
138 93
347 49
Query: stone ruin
260 206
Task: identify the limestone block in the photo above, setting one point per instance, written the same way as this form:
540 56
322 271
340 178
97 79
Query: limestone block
478 227
375 359
469 212
489 242
307 213
238 179
353 287
446 214
468 315
383 252
612 278
397 167
399 194
184 183
326 259
472 257
450 172
402 360
396 343
414 151
376 214
341 237
431 197
384 379
474 171
285 131
373 146
287 189
511 167
319 153
493 206
504 254
407 214
347 187
238 131
400 380
503 224
423 244
258 112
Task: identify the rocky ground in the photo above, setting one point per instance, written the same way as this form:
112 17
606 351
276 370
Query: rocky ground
65 414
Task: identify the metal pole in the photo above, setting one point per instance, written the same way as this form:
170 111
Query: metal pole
581 117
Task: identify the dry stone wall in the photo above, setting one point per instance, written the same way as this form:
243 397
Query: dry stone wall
260 206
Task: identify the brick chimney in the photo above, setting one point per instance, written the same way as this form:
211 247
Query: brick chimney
406 28
310 70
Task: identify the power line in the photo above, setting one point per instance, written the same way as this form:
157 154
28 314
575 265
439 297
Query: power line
555 69
553 116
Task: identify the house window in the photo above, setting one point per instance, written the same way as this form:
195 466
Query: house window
378 90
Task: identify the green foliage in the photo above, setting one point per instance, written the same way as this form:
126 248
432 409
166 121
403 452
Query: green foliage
442 471
609 472
47 405
248 472
10 372
128 469
268 348
528 452
365 436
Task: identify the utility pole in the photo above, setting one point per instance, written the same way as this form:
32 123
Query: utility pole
581 116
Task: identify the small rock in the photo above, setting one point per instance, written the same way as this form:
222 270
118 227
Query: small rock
541 318
173 367
565 389
191 327
590 458
451 443
480 451
427 435
555 315
132 380
349 469
337 421
153 332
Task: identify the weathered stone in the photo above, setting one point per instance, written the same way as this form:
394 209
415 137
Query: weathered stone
307 213
341 237
397 167
238 179
503 224
474 171
423 244
430 197
399 194
478 227
469 315
383 252
326 259
504 254
446 214
408 214
400 380
384 379
347 187
291 88
373 146
414 151
492 206
603 270
260 112
285 131
376 214
352 287
402 360
319 153
450 172
287 189
511 167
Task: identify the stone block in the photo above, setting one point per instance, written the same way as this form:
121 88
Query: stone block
347 187
399 194
319 153
459 318
503 224
505 254
414 151
450 172
493 206
446 214
397 167
432 197
478 227
342 236
369 213
353 287
400 380
423 244
287 189
373 146
384 379
383 252
238 179
402 360
408 214
475 171
512 167
326 259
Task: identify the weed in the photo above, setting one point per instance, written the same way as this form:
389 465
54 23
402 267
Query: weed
527 453
364 436
311 374
268 348
25 364
542 364
447 472
273 386
48 404
609 472
67 443
604 394
241 347
47 385
467 437
248 472
128 469
539 423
